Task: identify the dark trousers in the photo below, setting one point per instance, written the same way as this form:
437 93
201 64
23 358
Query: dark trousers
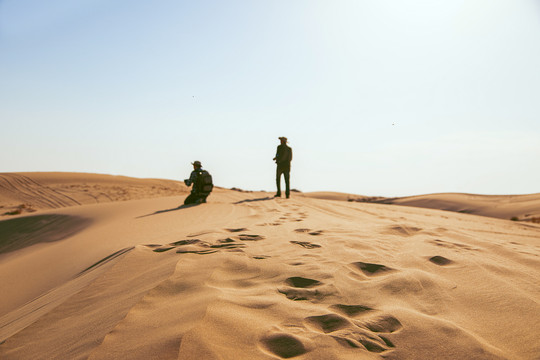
286 171
195 198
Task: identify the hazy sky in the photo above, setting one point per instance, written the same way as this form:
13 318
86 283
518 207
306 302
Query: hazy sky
378 97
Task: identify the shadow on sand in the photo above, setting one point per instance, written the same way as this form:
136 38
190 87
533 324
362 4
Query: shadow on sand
25 231
251 200
181 207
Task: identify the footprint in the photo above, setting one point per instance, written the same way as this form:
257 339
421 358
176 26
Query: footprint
300 282
236 230
270 224
247 237
440 260
227 246
297 295
353 335
227 243
346 341
306 244
299 288
206 232
283 345
186 242
261 257
196 246
328 323
371 269
193 246
383 324
403 230
302 230
359 340
163 248
200 252
452 245
372 346
387 341
351 310
367 334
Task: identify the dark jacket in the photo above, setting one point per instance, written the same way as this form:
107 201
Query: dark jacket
283 156
194 180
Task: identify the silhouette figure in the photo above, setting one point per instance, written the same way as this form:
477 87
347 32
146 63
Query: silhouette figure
202 184
283 160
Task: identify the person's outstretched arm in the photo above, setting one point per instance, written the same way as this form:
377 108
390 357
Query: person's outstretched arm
191 179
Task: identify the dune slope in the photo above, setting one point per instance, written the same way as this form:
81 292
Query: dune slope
247 276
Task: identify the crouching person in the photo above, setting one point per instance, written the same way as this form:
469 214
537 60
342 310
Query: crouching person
202 184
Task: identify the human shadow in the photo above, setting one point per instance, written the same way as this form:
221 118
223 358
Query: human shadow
181 207
252 200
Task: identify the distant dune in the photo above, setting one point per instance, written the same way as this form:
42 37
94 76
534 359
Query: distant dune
109 267
330 195
520 207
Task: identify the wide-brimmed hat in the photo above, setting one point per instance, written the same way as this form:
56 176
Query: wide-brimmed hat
282 138
196 163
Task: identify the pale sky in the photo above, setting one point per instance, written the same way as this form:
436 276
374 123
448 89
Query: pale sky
379 97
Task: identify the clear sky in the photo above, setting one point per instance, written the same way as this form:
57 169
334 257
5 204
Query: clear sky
378 97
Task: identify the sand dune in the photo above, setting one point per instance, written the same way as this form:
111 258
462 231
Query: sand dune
519 207
28 192
247 276
522 207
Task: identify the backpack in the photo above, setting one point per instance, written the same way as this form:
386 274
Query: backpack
204 182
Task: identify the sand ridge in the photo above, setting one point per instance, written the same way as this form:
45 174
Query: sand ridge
247 276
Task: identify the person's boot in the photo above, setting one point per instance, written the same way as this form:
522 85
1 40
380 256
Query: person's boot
277 194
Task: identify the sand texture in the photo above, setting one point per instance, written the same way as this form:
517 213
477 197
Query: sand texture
247 276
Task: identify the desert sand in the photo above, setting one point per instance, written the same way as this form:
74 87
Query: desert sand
106 267
513 207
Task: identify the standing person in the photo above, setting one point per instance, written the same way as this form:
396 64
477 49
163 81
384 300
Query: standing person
283 160
202 184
